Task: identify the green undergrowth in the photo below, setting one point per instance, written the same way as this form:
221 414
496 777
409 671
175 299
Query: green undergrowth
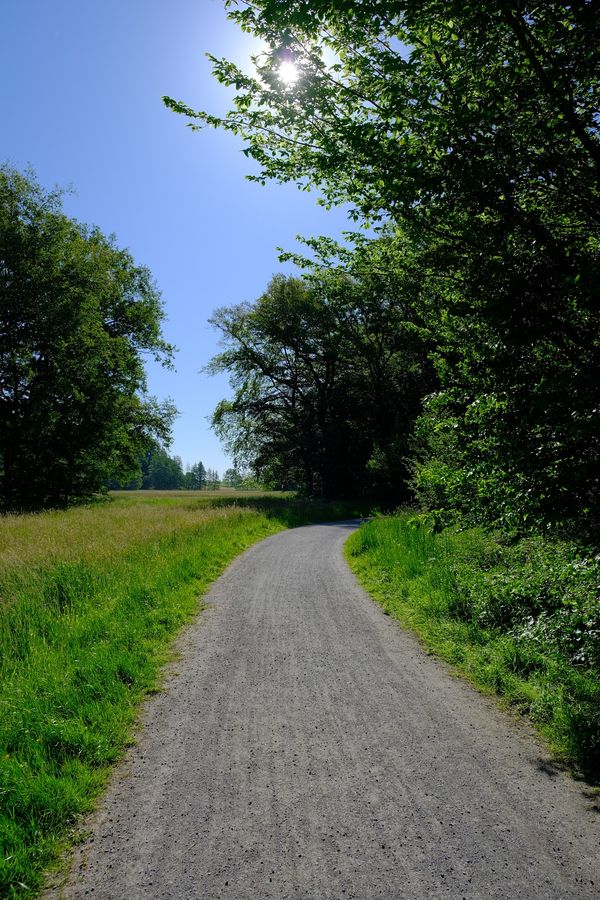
519 619
90 600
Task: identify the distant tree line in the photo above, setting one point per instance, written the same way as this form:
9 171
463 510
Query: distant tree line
159 471
454 356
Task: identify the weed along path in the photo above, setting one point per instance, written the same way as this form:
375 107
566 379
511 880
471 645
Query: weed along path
305 747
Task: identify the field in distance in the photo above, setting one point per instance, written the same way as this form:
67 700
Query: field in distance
229 493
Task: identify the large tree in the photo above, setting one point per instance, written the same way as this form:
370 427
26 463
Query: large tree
434 111
474 127
76 316
328 372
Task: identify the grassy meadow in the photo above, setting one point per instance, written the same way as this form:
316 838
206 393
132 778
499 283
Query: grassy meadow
521 619
90 600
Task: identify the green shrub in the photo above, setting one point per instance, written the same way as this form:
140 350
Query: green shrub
543 591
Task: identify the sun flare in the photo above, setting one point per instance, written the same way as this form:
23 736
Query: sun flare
288 73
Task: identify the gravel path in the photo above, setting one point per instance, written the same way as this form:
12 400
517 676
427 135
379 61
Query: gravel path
305 747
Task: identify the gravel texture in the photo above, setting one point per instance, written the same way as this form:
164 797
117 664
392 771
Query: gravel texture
306 747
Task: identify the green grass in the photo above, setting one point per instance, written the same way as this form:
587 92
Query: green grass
90 600
512 618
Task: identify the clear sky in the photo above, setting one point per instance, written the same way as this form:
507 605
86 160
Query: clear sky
80 101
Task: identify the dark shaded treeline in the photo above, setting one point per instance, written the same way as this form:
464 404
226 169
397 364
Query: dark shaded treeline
329 375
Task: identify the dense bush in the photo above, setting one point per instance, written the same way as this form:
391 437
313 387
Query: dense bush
542 591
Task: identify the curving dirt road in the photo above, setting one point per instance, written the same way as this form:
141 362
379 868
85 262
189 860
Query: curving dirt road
305 747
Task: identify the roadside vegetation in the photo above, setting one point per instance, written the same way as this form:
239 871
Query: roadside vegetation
521 619
90 600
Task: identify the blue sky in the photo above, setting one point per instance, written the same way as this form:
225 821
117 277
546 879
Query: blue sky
80 98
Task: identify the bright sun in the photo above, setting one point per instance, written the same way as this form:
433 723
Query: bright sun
288 73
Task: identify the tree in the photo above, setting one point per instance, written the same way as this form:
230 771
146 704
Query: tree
76 315
162 472
232 478
473 128
213 482
432 111
328 374
195 477
159 471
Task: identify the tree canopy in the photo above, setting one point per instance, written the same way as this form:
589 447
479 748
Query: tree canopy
76 316
328 374
470 131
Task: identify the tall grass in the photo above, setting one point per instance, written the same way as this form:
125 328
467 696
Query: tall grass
511 617
90 599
